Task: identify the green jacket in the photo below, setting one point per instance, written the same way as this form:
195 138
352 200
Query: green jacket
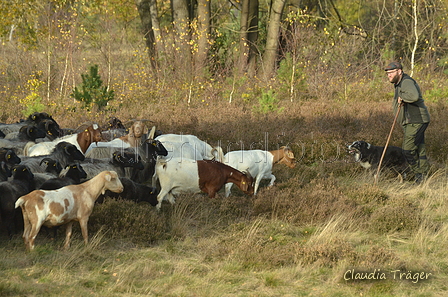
414 110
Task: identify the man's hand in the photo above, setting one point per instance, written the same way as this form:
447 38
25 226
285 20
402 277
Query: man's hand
400 101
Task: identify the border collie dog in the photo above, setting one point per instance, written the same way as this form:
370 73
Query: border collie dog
369 156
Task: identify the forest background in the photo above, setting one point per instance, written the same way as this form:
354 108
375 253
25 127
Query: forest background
202 52
242 74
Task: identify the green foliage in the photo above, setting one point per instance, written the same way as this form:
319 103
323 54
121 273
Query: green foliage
439 91
223 48
388 54
444 64
291 72
268 103
92 92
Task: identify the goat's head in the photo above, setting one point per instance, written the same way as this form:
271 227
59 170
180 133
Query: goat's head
93 133
114 123
154 148
247 183
138 129
53 166
51 128
125 159
9 156
77 168
288 157
112 182
22 172
32 132
70 150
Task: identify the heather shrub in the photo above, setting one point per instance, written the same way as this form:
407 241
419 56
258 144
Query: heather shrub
121 219
378 256
400 214
327 253
367 193
315 202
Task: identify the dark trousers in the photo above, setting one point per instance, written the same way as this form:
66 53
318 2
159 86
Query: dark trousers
414 147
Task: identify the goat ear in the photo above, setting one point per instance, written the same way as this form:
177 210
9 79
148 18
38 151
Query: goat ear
108 177
131 131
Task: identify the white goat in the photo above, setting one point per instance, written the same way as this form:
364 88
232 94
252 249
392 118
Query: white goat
64 206
258 163
189 146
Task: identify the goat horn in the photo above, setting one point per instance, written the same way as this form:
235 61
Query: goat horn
152 132
45 160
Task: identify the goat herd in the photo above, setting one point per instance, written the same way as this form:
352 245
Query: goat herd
52 176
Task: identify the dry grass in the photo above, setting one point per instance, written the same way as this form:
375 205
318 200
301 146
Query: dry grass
298 238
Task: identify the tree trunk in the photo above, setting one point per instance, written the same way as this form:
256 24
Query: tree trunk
203 31
253 37
181 24
248 36
272 39
143 7
156 26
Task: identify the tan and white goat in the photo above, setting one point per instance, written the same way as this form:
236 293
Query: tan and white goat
64 206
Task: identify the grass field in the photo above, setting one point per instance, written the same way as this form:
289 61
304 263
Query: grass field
321 228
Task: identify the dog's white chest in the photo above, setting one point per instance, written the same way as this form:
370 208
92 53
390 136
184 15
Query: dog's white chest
366 165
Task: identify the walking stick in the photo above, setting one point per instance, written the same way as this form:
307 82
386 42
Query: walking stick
387 143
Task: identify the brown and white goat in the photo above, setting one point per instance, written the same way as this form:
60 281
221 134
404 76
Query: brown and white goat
64 206
259 164
82 140
180 175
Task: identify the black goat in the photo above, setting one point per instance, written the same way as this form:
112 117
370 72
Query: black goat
149 151
125 160
21 184
33 119
119 161
65 153
73 175
53 166
5 172
133 191
27 133
113 123
18 140
9 157
51 128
